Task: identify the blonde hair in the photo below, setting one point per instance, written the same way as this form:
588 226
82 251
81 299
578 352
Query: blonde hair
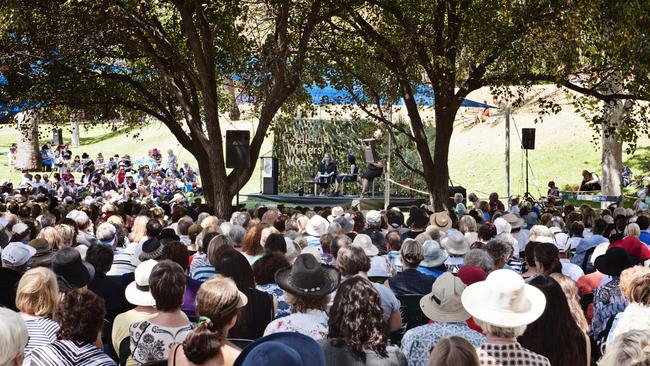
302 223
632 229
628 275
52 236
67 234
571 292
453 351
38 292
13 336
467 224
139 229
630 348
265 234
211 222
116 221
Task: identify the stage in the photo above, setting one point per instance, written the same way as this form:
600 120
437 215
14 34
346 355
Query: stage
309 200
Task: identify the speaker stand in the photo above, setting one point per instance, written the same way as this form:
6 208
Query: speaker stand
527 195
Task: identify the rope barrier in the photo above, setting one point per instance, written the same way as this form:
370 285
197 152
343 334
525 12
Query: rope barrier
407 187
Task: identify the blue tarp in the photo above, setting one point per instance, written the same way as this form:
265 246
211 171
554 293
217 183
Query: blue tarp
424 97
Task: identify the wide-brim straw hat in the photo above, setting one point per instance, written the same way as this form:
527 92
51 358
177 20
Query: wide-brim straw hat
443 303
441 220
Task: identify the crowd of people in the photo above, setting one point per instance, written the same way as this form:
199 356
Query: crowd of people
146 178
104 280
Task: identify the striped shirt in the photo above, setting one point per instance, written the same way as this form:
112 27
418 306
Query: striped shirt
121 265
68 353
203 273
42 331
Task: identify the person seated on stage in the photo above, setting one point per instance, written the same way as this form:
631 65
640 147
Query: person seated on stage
483 115
326 172
590 181
553 191
374 171
351 176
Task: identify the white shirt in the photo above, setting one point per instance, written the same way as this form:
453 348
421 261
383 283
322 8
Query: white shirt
573 271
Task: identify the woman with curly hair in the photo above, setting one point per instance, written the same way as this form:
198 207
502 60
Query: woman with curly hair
357 332
81 318
217 302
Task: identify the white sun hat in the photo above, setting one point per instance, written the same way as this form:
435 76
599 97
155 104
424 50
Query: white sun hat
504 300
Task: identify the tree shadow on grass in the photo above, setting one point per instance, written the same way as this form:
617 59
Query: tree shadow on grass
639 162
89 140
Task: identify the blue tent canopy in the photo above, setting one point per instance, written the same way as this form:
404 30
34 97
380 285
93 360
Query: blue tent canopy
424 97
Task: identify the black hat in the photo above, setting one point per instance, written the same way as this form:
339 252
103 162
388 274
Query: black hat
151 249
168 234
614 261
68 266
308 278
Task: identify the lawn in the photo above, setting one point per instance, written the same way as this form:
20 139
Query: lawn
563 149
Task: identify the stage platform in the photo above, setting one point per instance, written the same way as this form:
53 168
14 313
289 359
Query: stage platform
367 203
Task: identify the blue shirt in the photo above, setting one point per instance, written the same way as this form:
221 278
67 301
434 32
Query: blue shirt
586 244
435 273
645 237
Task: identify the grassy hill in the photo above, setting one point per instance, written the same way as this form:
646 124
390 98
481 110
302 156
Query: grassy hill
563 149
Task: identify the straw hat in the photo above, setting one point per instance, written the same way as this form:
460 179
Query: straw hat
441 220
337 211
504 300
444 304
514 220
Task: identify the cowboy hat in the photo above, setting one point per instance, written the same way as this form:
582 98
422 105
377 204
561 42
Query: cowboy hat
441 220
443 303
454 242
308 278
137 292
364 242
504 300
614 261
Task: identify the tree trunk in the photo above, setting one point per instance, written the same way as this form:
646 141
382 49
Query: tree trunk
215 188
445 116
27 154
612 142
74 124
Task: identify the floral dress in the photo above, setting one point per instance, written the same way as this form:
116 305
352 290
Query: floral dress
312 323
151 342
283 308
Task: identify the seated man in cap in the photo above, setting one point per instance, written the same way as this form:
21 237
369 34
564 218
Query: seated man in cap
14 263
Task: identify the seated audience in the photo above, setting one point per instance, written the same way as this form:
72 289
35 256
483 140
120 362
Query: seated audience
13 338
410 281
433 263
81 319
37 298
264 271
453 351
356 328
443 306
286 349
101 257
503 305
217 303
307 284
630 348
152 339
14 263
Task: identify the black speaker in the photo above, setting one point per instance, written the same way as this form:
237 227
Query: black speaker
57 139
270 174
528 138
237 149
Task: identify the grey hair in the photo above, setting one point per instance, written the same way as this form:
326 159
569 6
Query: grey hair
13 336
629 348
479 258
237 234
499 250
467 224
556 221
240 218
335 229
501 332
